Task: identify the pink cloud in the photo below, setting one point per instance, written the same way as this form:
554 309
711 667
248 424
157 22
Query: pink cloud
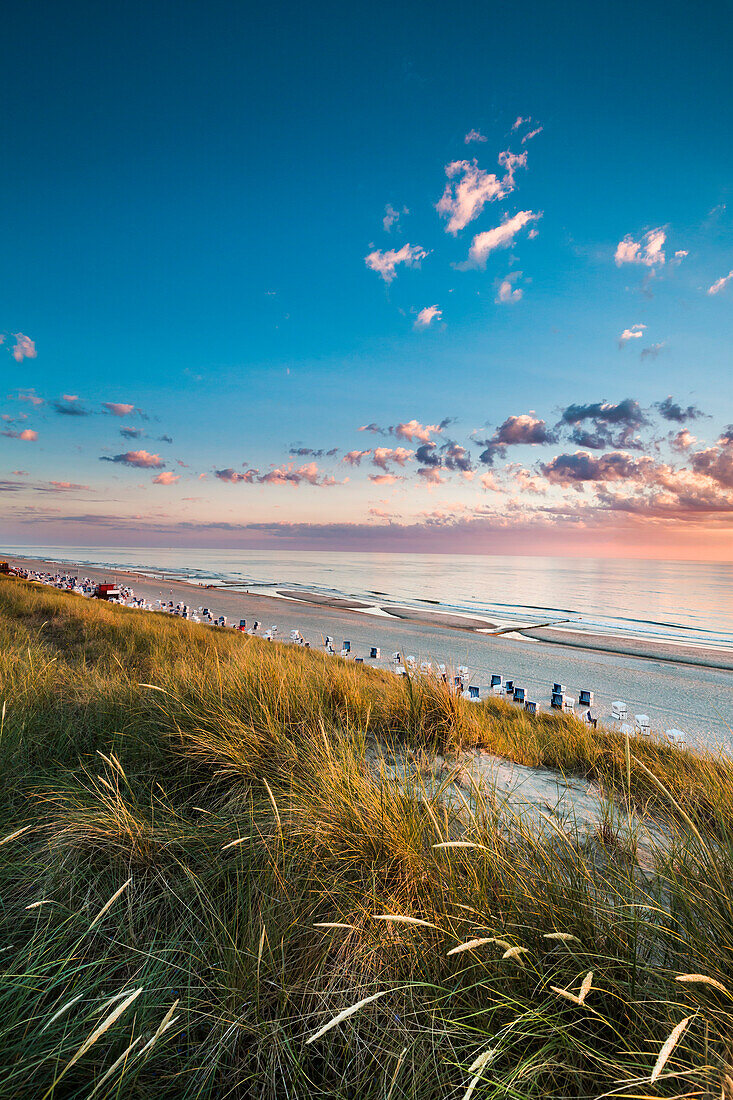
385 479
385 263
24 348
142 459
117 408
413 429
474 135
426 316
26 435
431 475
472 187
683 440
500 237
720 283
166 478
633 333
31 396
353 458
383 455
649 250
532 134
66 486
519 122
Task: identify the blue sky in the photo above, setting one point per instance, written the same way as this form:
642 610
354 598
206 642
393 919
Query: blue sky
189 200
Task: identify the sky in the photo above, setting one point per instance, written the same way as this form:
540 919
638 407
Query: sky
390 277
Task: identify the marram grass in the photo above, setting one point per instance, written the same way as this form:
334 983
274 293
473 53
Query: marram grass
206 891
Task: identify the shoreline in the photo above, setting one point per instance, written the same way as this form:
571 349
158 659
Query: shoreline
708 657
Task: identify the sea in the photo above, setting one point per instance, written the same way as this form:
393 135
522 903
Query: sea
682 602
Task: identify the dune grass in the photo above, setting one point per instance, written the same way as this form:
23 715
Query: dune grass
205 891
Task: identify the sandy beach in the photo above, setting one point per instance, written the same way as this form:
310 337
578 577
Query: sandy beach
683 687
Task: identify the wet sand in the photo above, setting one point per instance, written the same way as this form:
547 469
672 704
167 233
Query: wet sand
635 647
675 693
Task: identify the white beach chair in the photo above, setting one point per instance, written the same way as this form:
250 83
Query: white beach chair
678 738
375 653
568 704
619 711
643 725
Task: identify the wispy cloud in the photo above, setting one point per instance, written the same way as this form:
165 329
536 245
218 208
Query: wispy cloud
532 134
141 459
720 283
426 316
24 348
31 396
385 479
469 188
474 135
501 236
392 216
648 250
385 263
519 121
653 350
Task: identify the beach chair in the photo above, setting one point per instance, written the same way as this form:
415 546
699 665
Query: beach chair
400 670
358 660
558 689
530 707
463 672
374 653
495 680
396 656
474 693
519 695
508 687
425 666
619 711
410 661
242 624
557 698
568 704
642 724
585 699
678 738
346 647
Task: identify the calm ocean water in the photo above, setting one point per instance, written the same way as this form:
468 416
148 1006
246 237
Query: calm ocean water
690 602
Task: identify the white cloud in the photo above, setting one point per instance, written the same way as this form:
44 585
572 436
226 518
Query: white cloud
520 122
720 283
506 293
384 263
633 333
532 134
499 237
426 316
474 135
472 187
648 251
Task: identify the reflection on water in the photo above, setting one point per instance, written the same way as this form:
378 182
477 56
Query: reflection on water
681 601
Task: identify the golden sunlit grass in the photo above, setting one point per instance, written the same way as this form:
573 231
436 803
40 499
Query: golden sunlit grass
209 888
